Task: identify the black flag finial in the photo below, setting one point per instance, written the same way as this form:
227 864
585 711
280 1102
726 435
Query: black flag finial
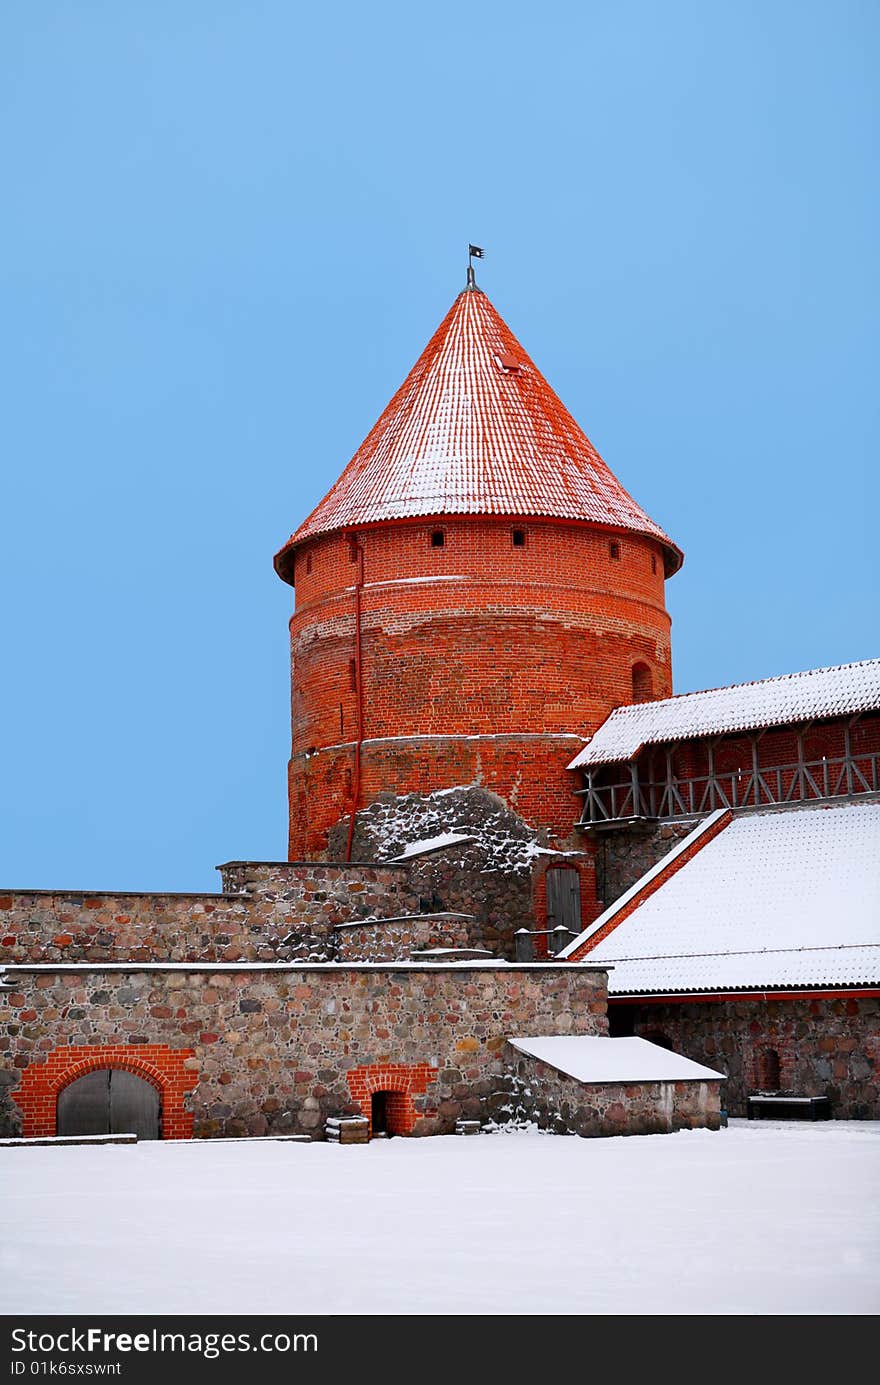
475 252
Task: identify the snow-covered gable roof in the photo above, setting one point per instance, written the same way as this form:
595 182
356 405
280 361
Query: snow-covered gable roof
795 697
475 429
776 899
592 1059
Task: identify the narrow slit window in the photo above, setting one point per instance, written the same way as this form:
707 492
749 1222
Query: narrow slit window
653 562
614 548
308 562
519 538
438 538
352 675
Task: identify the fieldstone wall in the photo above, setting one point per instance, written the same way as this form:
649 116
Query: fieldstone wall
496 876
625 854
277 911
825 1047
253 920
554 1101
272 1049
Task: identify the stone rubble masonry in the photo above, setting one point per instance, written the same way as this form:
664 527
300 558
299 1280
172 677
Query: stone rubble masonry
623 856
826 1046
554 1101
260 907
481 661
282 911
269 912
499 876
272 1049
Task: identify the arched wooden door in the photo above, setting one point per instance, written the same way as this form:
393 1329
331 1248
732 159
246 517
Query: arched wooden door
110 1101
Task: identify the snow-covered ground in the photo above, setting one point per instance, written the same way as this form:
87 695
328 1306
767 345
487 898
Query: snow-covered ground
756 1219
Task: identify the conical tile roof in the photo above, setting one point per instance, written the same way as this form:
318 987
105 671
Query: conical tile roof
475 429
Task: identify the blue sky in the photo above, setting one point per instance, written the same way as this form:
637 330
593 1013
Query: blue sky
228 229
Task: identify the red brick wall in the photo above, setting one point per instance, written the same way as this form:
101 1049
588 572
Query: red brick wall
405 1081
777 746
163 1067
477 638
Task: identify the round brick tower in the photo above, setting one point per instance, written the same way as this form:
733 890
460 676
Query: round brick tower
473 596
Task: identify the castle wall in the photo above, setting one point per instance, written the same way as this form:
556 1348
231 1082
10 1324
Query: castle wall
254 1051
826 1046
523 650
282 912
250 921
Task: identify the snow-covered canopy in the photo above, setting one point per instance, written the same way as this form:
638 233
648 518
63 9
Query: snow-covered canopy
777 899
796 697
591 1059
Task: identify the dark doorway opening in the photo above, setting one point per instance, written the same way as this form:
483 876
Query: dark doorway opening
110 1101
379 1114
770 1076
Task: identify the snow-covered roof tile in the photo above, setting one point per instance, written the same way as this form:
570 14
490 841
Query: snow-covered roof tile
475 429
592 1059
795 697
776 899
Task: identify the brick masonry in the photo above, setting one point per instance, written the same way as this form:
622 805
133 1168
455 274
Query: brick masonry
554 1101
479 661
825 1046
272 1051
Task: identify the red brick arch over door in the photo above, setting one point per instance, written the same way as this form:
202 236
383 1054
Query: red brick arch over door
164 1068
405 1081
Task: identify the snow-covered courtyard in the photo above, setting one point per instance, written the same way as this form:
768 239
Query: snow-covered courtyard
754 1219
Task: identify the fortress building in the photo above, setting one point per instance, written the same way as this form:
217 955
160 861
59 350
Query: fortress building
524 878
473 596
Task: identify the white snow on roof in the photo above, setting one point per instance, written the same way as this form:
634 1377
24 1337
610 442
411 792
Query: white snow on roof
796 697
785 898
430 844
590 1059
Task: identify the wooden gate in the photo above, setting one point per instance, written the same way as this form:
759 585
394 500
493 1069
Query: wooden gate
563 905
109 1101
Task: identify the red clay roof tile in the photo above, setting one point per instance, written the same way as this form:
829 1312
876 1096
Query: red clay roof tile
476 429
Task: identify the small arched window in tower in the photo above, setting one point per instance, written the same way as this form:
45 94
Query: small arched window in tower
438 538
769 1070
614 549
642 685
519 538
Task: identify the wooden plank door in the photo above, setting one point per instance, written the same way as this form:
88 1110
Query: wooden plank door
109 1102
84 1106
563 904
134 1106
